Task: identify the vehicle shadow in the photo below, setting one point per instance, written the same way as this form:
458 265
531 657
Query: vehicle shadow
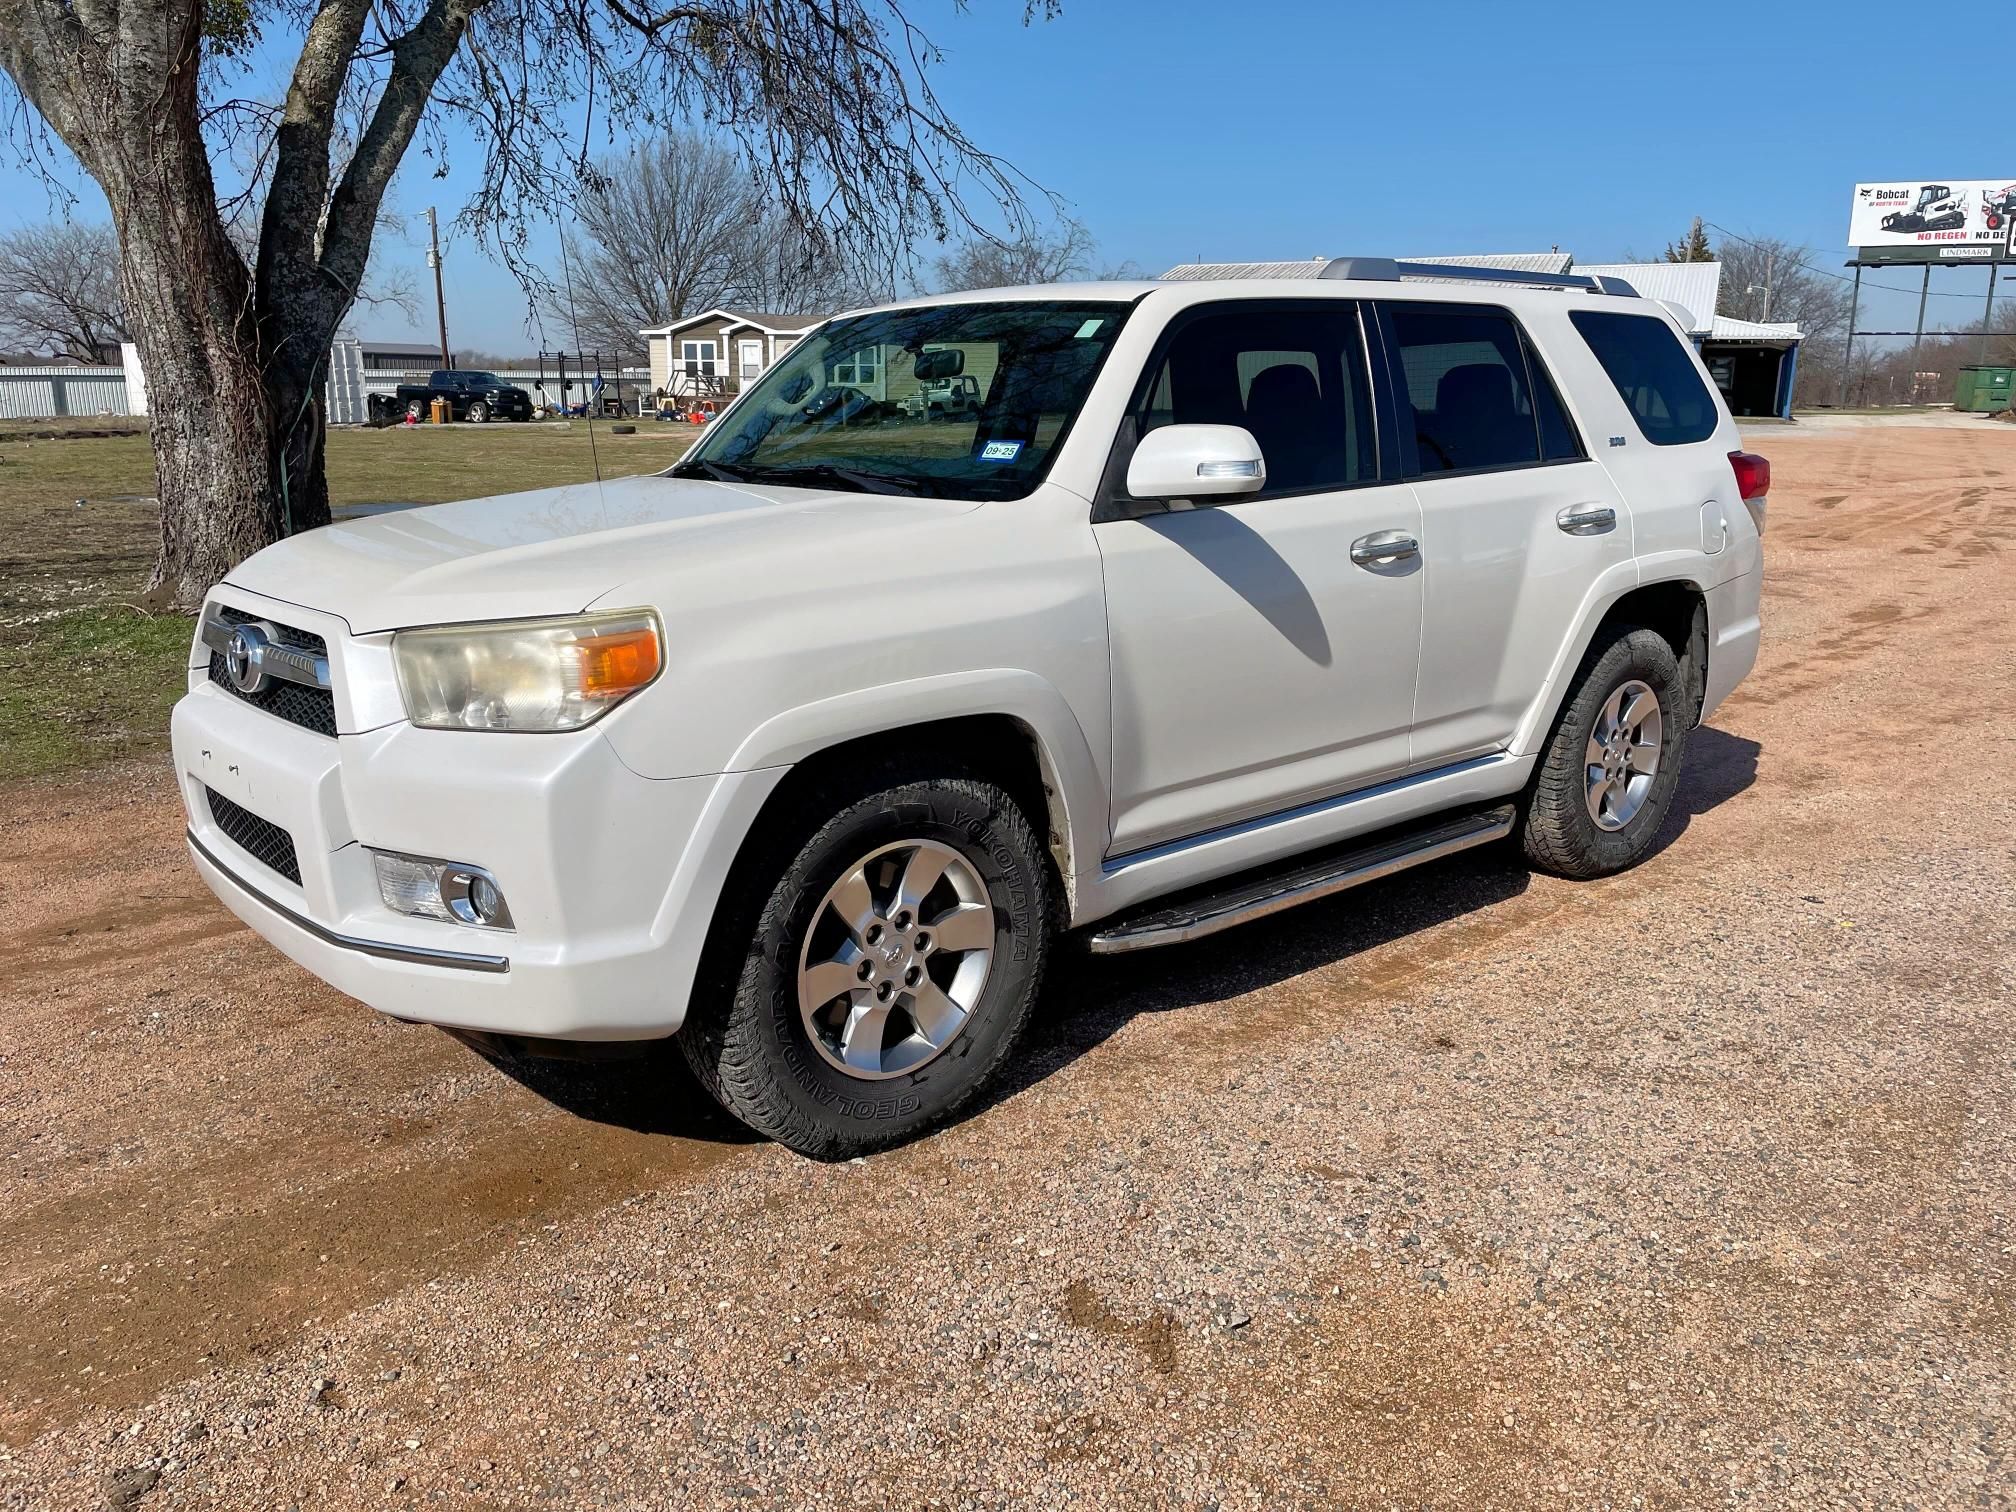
1719 766
1089 998
651 1093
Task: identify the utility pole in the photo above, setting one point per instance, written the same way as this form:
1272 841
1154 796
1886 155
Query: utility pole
1770 266
440 303
1988 314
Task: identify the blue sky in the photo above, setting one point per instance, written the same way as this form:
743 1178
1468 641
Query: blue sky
1180 129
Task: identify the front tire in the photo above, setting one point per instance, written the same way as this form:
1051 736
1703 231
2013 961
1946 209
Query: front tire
478 412
892 937
1608 775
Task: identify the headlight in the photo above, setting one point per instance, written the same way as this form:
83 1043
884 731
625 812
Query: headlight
549 674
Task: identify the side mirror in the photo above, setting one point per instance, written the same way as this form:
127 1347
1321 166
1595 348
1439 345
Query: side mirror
1196 461
946 362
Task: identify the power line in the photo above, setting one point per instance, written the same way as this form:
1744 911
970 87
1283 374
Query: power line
1842 277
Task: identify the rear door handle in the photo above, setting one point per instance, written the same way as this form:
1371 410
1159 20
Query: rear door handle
1383 547
1587 519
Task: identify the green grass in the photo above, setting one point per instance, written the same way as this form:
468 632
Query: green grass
86 677
87 686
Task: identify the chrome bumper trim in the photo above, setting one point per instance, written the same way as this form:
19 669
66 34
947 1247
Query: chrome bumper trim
414 955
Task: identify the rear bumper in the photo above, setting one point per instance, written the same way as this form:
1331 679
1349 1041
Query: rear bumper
611 877
1734 630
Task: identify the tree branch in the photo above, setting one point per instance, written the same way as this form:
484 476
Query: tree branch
299 190
418 60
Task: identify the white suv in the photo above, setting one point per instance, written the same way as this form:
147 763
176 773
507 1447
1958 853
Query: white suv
1226 596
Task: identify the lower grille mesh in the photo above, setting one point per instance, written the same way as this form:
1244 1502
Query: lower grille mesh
260 838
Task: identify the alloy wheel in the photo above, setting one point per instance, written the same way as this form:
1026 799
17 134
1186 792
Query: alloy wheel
895 958
1623 754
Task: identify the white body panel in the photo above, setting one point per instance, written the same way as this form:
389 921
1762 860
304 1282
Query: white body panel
1206 690
1255 667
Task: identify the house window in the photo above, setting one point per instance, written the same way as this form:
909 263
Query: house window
862 368
698 358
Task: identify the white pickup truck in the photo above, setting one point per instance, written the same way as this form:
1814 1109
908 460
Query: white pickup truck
1228 595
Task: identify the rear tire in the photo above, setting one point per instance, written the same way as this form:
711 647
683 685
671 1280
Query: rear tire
1608 775
788 980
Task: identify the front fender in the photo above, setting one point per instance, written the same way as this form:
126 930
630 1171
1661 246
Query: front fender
1070 770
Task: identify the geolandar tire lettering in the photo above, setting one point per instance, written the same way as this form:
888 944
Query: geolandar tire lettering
889 957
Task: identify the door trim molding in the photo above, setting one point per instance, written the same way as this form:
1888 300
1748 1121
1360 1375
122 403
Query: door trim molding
1115 864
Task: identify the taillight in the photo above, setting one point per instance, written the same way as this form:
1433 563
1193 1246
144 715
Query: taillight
1753 482
1753 474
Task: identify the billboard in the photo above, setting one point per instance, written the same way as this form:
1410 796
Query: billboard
1926 220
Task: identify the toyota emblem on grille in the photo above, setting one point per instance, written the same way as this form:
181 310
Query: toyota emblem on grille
245 658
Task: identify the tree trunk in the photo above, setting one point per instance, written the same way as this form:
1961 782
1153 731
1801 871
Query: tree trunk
230 422
226 388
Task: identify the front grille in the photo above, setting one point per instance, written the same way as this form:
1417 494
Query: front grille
310 708
261 839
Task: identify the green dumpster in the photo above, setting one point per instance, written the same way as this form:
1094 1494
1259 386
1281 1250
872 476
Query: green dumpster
1984 390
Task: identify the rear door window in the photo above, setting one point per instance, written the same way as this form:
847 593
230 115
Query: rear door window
1559 440
1465 374
1653 374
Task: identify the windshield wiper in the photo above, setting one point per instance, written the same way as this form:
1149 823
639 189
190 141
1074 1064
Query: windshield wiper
867 482
720 471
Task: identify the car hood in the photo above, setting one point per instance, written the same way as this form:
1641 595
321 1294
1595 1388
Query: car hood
556 550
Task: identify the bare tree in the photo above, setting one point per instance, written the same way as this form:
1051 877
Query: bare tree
59 290
1036 256
785 272
831 104
1769 279
682 227
663 232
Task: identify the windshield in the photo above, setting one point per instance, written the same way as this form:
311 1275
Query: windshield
965 401
480 380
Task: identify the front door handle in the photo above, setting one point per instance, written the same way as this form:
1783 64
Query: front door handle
1587 519
1384 547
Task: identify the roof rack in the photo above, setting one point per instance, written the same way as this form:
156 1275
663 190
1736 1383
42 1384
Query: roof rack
1386 269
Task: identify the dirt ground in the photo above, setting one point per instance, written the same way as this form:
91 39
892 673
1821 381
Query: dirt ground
1474 1188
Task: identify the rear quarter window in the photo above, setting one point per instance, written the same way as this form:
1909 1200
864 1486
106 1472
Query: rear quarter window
1653 375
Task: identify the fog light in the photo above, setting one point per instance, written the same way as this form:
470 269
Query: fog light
451 891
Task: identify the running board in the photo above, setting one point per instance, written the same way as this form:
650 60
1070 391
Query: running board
1171 924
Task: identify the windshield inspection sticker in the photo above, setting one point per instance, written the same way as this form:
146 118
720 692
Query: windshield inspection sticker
1000 451
1090 328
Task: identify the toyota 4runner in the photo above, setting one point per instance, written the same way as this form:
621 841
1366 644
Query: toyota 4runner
1223 597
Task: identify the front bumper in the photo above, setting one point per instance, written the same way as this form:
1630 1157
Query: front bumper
611 877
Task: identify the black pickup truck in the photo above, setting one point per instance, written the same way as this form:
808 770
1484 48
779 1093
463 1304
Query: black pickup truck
471 396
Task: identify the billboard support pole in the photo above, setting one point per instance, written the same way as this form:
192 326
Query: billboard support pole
1848 356
1918 336
1988 313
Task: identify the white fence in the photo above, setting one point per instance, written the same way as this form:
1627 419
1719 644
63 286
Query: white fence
46 393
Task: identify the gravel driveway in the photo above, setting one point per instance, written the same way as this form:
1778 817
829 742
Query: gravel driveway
1689 1187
